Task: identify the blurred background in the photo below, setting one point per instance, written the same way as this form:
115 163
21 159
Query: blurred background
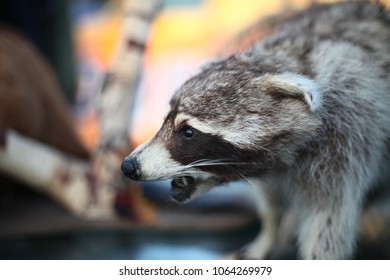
80 40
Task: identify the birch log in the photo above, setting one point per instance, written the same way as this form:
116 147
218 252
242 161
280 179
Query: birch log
117 96
88 188
66 178
118 92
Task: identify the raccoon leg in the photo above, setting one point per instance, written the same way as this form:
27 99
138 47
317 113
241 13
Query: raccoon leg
268 213
328 229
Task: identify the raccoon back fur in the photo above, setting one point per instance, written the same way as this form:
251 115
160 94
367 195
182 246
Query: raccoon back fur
305 115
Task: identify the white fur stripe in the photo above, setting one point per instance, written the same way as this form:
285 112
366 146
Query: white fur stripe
242 133
155 161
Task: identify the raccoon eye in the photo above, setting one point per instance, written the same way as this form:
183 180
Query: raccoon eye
187 131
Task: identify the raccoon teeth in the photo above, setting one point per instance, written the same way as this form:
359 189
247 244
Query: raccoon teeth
178 183
182 188
188 180
184 181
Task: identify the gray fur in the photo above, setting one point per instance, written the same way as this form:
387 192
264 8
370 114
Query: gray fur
304 114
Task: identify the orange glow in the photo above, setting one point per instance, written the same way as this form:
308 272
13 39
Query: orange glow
98 37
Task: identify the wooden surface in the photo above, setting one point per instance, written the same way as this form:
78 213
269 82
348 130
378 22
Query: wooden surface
27 214
24 212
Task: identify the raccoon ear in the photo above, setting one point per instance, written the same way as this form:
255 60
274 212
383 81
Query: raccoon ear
295 85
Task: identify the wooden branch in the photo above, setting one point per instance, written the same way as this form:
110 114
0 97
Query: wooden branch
66 178
118 92
88 189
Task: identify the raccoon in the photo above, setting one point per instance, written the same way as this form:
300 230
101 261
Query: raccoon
304 115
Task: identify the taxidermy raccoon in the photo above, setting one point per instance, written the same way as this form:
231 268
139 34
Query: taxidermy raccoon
305 115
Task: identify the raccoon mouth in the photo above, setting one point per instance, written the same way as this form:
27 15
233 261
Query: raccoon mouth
182 188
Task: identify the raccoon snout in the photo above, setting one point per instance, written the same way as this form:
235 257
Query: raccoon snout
130 168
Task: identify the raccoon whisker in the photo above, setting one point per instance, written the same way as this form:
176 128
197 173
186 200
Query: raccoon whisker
182 171
187 170
201 163
177 171
191 173
251 183
215 164
246 179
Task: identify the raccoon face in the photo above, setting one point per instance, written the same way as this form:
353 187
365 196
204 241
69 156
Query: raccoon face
226 125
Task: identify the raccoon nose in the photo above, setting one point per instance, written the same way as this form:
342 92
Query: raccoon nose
130 168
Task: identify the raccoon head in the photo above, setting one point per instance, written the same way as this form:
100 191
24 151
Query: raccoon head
227 123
